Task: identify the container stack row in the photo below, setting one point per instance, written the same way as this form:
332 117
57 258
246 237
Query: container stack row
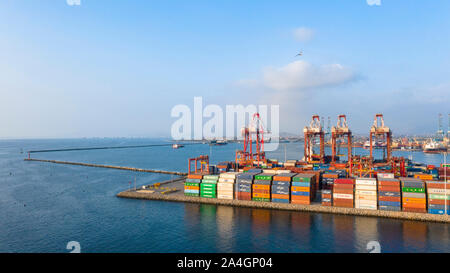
438 197
208 187
261 187
281 188
302 188
389 194
366 193
225 185
343 192
414 198
192 185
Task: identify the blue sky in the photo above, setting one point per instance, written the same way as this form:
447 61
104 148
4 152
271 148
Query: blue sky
116 68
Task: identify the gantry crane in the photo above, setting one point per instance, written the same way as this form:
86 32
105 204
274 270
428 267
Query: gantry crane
204 165
380 131
247 156
341 131
311 132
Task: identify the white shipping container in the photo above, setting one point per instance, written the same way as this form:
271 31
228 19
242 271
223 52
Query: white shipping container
385 175
366 181
366 187
366 197
365 192
370 207
282 171
226 180
222 196
438 191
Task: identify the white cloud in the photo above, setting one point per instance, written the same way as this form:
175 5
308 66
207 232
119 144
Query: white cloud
303 34
300 75
374 2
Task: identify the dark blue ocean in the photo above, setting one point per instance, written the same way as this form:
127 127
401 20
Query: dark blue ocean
43 206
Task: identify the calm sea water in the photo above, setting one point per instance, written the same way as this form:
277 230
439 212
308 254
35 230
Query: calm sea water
44 206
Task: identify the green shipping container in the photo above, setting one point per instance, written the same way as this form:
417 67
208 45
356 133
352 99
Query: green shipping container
211 177
192 184
209 186
418 190
263 177
210 181
259 199
191 194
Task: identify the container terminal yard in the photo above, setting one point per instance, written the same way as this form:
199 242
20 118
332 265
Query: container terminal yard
350 184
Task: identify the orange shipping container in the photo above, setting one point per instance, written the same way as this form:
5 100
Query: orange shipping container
191 188
424 176
414 205
261 187
414 200
302 189
195 176
261 195
280 196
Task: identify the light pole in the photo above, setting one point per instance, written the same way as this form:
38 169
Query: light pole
445 183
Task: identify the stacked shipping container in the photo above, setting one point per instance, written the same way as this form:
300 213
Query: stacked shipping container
302 188
438 197
389 194
413 195
366 193
343 192
225 186
192 185
261 187
243 186
208 187
281 186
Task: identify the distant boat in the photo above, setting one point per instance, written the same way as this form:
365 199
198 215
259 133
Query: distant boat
218 142
376 145
177 146
433 147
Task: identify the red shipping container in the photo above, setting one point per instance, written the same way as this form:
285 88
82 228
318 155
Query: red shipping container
417 210
343 186
390 198
389 188
344 181
389 183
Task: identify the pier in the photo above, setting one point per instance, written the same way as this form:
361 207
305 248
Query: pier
106 166
178 196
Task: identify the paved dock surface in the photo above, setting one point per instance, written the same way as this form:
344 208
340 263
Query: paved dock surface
178 196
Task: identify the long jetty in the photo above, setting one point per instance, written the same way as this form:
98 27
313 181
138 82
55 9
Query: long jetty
106 166
104 148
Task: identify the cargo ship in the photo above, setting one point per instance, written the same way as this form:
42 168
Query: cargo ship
433 147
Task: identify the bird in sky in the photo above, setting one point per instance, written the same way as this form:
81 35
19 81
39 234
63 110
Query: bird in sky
299 54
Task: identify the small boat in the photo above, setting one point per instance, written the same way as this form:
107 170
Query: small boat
177 146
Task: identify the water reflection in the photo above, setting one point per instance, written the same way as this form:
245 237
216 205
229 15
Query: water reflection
232 229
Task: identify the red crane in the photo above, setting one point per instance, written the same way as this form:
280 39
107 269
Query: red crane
311 132
379 131
204 165
341 130
247 156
